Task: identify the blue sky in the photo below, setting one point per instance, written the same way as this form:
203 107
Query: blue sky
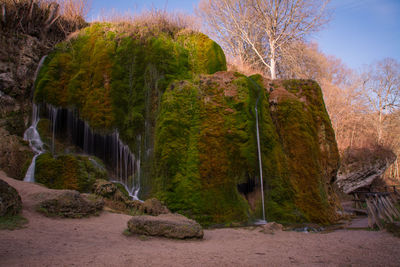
360 32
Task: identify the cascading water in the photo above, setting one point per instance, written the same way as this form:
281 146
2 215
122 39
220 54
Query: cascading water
128 167
53 111
66 123
263 221
31 134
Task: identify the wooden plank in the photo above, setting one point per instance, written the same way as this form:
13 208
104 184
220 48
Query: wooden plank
357 205
388 208
395 210
377 208
371 217
374 215
384 210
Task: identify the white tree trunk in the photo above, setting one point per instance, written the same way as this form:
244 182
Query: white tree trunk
273 61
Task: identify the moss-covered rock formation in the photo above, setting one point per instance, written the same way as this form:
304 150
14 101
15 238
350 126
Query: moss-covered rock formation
195 124
68 172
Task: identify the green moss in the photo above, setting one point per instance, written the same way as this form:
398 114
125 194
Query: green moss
202 128
122 189
205 55
67 172
301 120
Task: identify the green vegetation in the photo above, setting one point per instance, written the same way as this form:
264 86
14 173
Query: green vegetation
198 129
67 172
307 121
12 222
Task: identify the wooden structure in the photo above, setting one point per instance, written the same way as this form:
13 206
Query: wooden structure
380 206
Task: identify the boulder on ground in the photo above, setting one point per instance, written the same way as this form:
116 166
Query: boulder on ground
70 204
166 225
271 228
117 199
10 201
154 207
360 168
108 190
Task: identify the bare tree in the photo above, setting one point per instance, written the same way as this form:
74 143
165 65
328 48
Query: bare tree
232 23
264 27
381 86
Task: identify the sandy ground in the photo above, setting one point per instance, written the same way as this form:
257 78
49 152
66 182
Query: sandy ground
98 241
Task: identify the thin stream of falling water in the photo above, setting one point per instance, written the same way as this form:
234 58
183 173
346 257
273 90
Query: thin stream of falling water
260 162
263 221
31 134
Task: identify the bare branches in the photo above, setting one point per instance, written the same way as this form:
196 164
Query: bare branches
381 88
264 27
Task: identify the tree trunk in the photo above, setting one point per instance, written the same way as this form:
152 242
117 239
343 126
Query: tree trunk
273 61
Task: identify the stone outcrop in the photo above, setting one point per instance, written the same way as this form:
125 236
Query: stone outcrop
25 37
154 207
191 126
116 198
109 190
165 225
360 168
15 154
271 228
306 134
69 204
10 201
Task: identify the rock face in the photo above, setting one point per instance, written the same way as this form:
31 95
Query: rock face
70 204
166 225
10 201
25 37
15 154
362 167
308 140
190 126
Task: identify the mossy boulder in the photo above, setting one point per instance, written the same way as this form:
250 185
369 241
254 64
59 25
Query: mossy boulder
67 172
70 204
308 140
154 207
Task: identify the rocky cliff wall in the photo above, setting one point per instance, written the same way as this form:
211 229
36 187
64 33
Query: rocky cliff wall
29 30
192 125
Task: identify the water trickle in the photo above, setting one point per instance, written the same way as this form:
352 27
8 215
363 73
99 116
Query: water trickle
124 164
127 166
263 221
53 111
32 136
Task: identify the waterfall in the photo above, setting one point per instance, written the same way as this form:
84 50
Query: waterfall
263 221
125 165
53 111
31 134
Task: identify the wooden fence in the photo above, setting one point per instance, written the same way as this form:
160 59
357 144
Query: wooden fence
380 206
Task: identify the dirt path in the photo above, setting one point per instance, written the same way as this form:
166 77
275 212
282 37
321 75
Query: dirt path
98 241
